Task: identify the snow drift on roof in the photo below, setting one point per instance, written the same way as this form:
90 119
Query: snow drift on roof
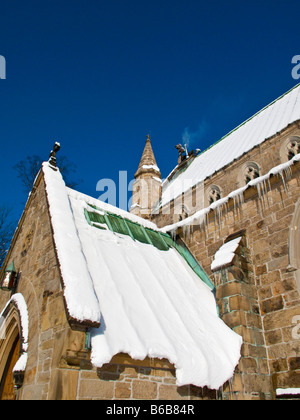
271 120
152 303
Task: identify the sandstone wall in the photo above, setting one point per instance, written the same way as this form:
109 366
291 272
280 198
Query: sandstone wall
34 255
258 295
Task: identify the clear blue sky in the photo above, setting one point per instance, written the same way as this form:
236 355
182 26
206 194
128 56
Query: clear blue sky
98 76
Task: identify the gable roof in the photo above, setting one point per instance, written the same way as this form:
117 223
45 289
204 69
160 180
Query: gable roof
263 125
148 299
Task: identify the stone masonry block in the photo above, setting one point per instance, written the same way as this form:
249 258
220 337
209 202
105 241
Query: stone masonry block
144 390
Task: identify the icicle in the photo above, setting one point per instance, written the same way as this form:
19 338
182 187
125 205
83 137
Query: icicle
238 200
235 200
269 183
184 230
265 187
283 180
187 231
266 192
220 392
173 233
241 196
284 167
235 205
258 187
219 215
226 210
201 222
288 172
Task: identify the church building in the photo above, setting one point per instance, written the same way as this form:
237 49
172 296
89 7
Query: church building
193 294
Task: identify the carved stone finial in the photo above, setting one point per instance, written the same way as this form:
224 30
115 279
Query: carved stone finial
182 153
52 157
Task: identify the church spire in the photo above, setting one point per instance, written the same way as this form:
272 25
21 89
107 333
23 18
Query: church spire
147 185
148 161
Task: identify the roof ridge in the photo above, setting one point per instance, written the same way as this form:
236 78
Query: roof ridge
249 119
264 124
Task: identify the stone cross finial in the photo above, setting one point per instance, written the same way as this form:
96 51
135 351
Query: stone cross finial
52 157
182 153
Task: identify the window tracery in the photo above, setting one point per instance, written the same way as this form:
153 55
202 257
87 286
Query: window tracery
252 171
293 147
214 194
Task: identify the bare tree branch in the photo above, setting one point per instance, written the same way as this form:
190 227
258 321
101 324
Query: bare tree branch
28 169
6 231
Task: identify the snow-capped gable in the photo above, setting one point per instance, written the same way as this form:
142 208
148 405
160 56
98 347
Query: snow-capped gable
80 297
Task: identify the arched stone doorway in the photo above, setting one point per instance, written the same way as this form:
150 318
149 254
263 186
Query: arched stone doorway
11 348
7 385
294 245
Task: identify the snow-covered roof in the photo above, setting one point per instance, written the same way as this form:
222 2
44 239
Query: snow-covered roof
149 300
263 125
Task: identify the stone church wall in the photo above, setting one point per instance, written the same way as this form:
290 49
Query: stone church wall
125 378
33 254
258 295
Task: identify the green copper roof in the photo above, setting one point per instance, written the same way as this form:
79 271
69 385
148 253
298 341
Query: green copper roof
107 221
11 268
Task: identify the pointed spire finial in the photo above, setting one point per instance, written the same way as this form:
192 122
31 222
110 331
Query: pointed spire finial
147 162
148 155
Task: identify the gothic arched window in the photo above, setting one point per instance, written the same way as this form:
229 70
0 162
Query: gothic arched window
13 346
294 244
214 194
251 172
293 147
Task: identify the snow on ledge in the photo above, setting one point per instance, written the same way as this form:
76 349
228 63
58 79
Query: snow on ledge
225 255
20 366
287 391
200 215
154 167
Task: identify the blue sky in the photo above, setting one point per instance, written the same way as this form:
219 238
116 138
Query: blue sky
98 76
